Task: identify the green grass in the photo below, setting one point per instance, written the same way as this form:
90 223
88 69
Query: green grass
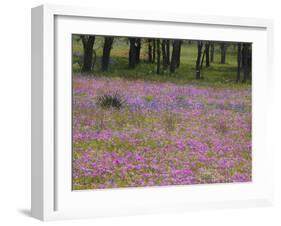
216 75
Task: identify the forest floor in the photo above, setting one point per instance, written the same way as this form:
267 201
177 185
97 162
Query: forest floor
164 133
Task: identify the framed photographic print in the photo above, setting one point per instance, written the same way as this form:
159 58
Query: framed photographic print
141 113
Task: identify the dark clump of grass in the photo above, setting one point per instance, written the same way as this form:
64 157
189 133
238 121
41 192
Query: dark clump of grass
111 101
222 126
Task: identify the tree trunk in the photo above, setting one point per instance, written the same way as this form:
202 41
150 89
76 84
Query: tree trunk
153 50
106 52
149 51
238 61
132 53
179 54
88 44
223 52
199 53
202 58
164 54
138 50
245 59
250 62
158 56
207 47
168 51
175 55
212 51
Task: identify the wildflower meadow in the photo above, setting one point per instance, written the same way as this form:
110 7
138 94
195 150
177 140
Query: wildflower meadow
163 131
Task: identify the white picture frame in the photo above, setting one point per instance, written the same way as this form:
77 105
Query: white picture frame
52 197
